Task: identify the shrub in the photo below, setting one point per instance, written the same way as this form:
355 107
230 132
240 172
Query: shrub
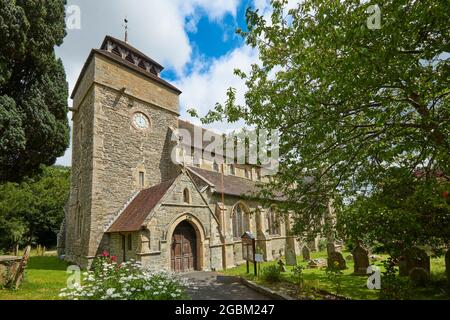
334 274
109 280
297 276
394 287
271 273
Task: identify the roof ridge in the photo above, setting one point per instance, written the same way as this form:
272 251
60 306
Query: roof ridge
200 176
137 210
132 48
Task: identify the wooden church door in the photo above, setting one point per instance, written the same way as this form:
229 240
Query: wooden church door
183 248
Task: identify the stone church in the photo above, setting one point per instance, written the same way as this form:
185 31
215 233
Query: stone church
127 195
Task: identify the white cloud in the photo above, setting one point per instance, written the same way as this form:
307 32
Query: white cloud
215 10
204 87
158 28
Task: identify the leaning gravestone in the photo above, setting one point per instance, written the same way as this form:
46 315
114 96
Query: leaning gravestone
291 259
419 277
305 253
282 265
360 259
335 259
414 258
316 263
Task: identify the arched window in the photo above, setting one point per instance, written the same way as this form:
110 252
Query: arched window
273 225
240 221
186 196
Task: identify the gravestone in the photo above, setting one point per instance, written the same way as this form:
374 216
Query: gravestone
360 259
306 253
313 246
282 265
419 277
447 266
291 259
414 258
335 259
316 263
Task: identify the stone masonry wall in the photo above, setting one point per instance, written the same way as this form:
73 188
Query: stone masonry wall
106 172
121 151
270 245
79 206
164 221
115 76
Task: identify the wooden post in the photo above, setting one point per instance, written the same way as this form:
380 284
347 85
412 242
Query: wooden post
19 273
254 256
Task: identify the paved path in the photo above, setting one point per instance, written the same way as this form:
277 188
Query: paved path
213 286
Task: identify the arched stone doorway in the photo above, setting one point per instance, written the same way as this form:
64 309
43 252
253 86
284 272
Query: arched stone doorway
183 249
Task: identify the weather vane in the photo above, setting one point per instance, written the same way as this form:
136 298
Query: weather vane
126 29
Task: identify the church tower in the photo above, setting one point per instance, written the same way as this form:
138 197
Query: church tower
123 116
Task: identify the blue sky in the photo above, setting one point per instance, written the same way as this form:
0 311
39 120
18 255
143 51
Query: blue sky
194 39
213 39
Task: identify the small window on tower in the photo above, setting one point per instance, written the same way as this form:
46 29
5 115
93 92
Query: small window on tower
141 179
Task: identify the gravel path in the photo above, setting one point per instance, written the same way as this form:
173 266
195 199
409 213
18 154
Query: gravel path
213 286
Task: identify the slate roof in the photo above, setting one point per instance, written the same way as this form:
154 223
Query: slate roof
232 185
125 63
134 215
190 127
136 68
131 48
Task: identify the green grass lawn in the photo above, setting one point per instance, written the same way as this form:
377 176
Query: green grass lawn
44 278
46 275
353 287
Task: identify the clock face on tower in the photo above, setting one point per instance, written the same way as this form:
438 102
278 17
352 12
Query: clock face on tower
140 121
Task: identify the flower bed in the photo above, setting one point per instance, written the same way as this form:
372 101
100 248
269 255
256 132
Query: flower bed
108 280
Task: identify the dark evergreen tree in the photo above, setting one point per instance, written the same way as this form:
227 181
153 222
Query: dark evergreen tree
34 128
